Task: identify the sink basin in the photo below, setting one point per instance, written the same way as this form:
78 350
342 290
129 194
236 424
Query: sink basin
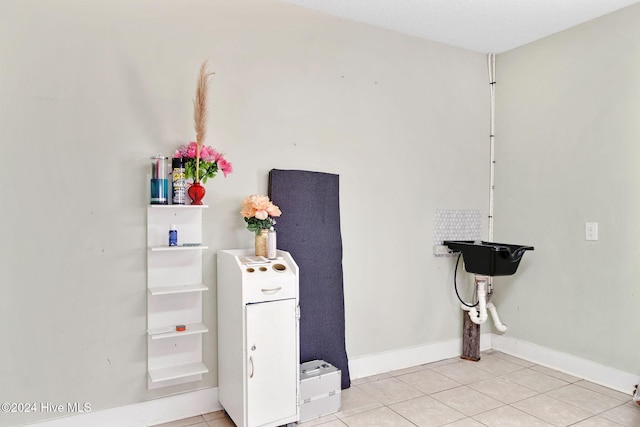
488 258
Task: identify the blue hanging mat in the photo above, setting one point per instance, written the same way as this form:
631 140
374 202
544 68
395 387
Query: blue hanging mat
309 229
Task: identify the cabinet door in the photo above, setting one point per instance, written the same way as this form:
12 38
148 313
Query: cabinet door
271 361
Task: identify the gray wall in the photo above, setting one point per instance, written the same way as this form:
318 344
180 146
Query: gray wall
568 145
90 90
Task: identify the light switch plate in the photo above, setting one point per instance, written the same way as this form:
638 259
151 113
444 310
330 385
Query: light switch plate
591 230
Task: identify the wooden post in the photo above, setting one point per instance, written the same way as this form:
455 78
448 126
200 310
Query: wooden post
470 339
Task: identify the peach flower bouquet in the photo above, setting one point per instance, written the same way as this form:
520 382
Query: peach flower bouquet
259 213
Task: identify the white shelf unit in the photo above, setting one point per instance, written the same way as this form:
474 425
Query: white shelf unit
163 333
174 296
177 289
177 248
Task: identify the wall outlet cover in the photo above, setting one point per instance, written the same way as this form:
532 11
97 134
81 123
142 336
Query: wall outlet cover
441 250
591 231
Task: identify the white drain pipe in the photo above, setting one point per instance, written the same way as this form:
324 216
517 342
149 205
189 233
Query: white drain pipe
496 319
481 314
481 285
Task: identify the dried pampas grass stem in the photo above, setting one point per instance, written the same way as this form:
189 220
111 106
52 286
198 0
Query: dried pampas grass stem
200 112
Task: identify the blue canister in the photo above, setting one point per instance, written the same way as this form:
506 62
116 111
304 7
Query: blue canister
159 180
173 235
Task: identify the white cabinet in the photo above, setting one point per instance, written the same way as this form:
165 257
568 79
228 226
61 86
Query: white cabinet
174 295
258 338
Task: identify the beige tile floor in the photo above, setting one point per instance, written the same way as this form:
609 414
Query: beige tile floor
498 391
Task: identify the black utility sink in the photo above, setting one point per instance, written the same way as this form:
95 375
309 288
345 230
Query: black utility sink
488 258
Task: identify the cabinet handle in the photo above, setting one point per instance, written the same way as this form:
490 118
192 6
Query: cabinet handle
271 290
252 368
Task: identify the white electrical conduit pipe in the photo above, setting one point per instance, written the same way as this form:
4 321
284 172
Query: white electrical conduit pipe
491 65
479 316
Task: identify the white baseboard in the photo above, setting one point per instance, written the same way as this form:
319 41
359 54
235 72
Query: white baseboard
199 402
565 362
364 366
146 413
616 379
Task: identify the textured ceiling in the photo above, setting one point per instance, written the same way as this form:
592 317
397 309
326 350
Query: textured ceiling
486 26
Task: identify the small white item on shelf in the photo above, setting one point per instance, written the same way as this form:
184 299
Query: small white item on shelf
271 243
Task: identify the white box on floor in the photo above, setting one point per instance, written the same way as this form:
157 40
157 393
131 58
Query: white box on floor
319 389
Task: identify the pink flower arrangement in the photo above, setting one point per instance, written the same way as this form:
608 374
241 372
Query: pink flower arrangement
259 212
211 161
